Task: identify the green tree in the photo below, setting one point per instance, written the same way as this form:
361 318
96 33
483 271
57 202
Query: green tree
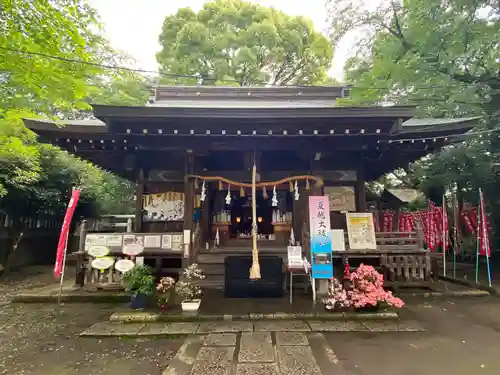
235 41
41 44
443 57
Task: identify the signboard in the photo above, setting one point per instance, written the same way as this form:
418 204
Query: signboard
167 206
321 240
118 242
294 254
341 198
338 240
361 231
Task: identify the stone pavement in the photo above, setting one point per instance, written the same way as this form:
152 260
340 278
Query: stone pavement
255 353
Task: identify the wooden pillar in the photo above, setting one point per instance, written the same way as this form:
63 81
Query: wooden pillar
139 192
80 258
188 200
360 191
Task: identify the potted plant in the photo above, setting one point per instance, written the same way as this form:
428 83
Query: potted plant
368 290
337 297
163 291
140 282
188 289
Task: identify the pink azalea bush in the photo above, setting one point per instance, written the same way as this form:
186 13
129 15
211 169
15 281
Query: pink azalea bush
337 296
368 289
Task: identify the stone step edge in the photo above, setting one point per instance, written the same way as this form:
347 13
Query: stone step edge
141 317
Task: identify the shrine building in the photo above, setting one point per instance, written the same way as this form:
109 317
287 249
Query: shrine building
190 151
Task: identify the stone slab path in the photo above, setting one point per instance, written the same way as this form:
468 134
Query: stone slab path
108 328
255 353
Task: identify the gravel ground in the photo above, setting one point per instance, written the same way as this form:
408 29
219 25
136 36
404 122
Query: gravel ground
43 339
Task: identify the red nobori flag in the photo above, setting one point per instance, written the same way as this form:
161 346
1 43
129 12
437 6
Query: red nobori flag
388 221
471 219
432 242
63 238
401 222
484 240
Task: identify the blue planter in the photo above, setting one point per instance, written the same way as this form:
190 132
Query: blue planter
138 301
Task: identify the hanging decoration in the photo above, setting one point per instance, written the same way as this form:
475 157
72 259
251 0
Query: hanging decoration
296 189
319 182
203 192
264 193
291 241
196 183
228 196
217 238
308 186
274 200
242 192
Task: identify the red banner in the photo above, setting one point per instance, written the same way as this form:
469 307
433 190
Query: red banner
388 221
470 219
484 240
432 242
63 238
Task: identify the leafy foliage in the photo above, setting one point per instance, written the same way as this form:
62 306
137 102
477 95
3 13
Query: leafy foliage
139 280
443 57
50 56
232 40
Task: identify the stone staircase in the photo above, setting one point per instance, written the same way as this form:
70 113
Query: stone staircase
212 261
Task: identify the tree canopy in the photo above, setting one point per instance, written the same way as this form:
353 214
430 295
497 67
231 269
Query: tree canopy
443 57
52 61
235 42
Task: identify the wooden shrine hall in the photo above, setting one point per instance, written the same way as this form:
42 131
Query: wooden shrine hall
190 151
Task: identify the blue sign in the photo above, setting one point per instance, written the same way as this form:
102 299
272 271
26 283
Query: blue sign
321 240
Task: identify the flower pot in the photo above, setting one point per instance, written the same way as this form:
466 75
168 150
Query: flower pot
139 301
162 300
191 304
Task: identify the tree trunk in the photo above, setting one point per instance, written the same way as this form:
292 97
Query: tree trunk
12 252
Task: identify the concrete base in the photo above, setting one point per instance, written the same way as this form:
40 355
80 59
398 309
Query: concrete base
131 316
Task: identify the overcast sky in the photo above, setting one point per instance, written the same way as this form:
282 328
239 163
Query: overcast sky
133 26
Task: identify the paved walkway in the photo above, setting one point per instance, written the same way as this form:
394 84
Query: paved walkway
255 353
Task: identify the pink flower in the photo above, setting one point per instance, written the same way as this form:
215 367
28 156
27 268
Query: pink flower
368 289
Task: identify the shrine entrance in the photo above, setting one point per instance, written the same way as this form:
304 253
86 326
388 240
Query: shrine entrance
241 217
